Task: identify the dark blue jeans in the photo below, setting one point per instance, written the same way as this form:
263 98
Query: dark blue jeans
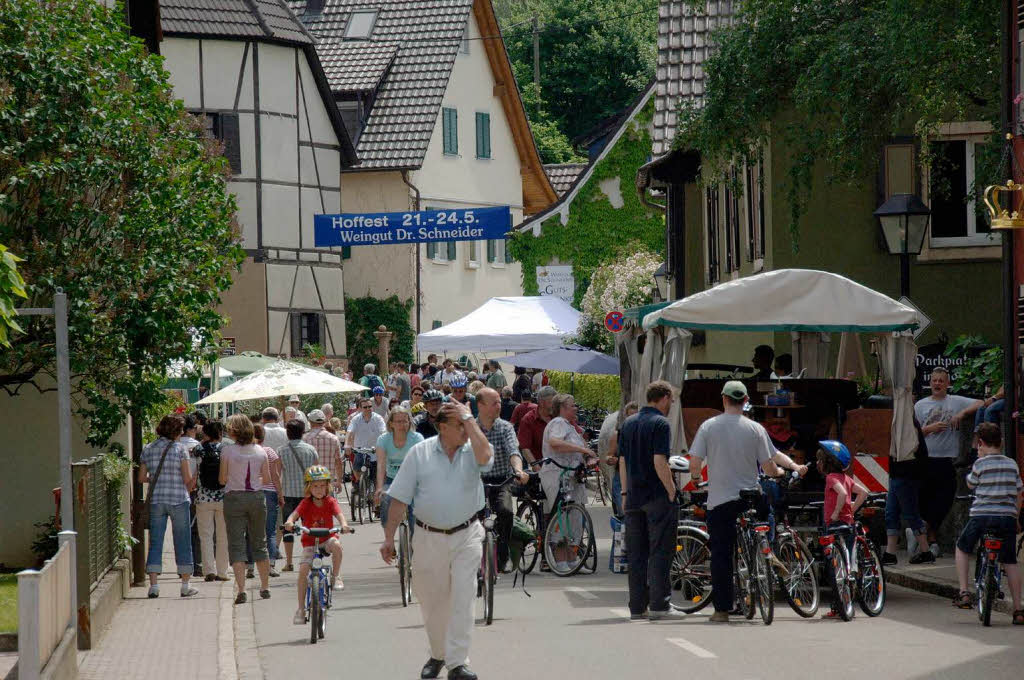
722 530
181 530
901 503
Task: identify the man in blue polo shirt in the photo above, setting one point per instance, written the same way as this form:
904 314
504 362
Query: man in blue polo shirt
651 510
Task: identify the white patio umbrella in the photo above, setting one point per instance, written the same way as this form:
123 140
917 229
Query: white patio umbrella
280 379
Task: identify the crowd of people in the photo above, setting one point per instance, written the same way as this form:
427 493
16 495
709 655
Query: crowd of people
428 434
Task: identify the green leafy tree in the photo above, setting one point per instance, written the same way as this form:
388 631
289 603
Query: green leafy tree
596 56
363 316
552 144
109 190
832 81
12 286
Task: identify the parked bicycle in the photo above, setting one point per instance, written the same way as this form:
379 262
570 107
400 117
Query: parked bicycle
604 494
530 511
796 570
318 586
753 573
856 567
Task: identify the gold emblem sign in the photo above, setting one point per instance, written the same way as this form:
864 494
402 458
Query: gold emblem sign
1002 217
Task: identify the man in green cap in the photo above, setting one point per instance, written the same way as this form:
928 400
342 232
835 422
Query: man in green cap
733 447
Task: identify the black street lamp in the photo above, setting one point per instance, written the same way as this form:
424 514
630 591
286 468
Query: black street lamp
660 291
904 220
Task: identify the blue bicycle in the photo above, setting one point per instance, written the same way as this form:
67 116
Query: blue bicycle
318 585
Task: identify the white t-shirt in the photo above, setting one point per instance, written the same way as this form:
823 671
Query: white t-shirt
604 439
274 436
732 446
362 433
945 444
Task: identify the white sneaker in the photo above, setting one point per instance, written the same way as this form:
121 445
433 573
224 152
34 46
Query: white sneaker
935 550
339 585
672 614
154 590
300 618
562 566
912 548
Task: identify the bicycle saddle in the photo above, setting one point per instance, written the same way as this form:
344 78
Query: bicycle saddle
750 494
678 464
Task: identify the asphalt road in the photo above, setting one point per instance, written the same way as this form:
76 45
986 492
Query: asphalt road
580 624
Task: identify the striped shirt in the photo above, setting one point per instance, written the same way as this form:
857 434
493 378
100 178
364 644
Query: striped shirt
170 487
268 484
328 447
296 457
996 483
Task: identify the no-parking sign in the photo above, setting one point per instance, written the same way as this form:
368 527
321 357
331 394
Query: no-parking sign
614 321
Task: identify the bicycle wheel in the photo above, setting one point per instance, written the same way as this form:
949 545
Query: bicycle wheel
800 580
568 540
690 573
325 604
603 494
842 597
763 588
404 564
353 502
490 577
313 593
529 513
987 597
870 579
741 586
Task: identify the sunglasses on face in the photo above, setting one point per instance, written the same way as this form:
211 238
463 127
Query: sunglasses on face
366 408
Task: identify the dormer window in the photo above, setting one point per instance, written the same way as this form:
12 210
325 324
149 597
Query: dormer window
360 24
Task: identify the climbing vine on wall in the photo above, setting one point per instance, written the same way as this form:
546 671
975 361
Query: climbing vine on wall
596 232
362 317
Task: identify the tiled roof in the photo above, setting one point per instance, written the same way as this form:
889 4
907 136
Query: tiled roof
428 34
355 66
563 175
269 19
684 44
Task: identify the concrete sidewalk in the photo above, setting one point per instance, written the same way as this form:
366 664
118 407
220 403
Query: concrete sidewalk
203 637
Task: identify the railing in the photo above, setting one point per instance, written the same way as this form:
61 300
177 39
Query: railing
46 608
97 506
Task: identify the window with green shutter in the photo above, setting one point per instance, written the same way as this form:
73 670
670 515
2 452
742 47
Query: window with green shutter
508 254
346 252
451 250
431 251
483 135
450 128
491 246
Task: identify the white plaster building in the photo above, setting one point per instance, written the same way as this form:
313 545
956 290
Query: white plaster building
249 68
427 93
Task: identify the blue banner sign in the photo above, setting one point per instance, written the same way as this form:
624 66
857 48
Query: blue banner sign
422 226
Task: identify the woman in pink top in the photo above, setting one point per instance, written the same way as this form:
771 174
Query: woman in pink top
243 467
273 497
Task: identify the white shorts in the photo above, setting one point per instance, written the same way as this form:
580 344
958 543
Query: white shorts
307 551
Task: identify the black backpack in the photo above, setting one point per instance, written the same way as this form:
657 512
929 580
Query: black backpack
209 466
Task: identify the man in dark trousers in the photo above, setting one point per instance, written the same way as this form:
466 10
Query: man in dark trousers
650 504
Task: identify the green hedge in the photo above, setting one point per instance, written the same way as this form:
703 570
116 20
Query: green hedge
592 391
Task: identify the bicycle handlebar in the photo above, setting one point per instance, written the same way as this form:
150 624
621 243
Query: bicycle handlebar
322 532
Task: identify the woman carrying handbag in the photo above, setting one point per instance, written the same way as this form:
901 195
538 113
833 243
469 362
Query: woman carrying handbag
168 497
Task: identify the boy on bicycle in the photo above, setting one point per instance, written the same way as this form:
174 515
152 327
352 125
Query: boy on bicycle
997 501
317 511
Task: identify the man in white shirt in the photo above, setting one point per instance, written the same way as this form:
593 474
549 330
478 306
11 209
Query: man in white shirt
940 415
294 402
449 373
363 430
274 434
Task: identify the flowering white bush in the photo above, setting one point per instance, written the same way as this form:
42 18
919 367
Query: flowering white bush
615 286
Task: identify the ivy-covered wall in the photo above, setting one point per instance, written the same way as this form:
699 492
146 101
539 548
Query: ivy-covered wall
362 317
596 231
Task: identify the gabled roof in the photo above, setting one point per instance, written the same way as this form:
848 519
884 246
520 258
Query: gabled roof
263 20
563 175
356 66
405 110
684 44
427 35
561 207
268 19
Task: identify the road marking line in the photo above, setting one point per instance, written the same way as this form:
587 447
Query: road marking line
585 594
696 650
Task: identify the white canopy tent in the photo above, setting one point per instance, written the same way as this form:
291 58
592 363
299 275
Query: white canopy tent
280 379
787 300
798 300
506 324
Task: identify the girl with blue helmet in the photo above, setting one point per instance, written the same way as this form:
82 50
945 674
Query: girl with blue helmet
843 494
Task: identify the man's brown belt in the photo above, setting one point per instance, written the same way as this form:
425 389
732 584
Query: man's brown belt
447 532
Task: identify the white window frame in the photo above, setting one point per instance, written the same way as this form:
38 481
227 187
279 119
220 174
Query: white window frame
973 239
472 254
499 253
440 247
